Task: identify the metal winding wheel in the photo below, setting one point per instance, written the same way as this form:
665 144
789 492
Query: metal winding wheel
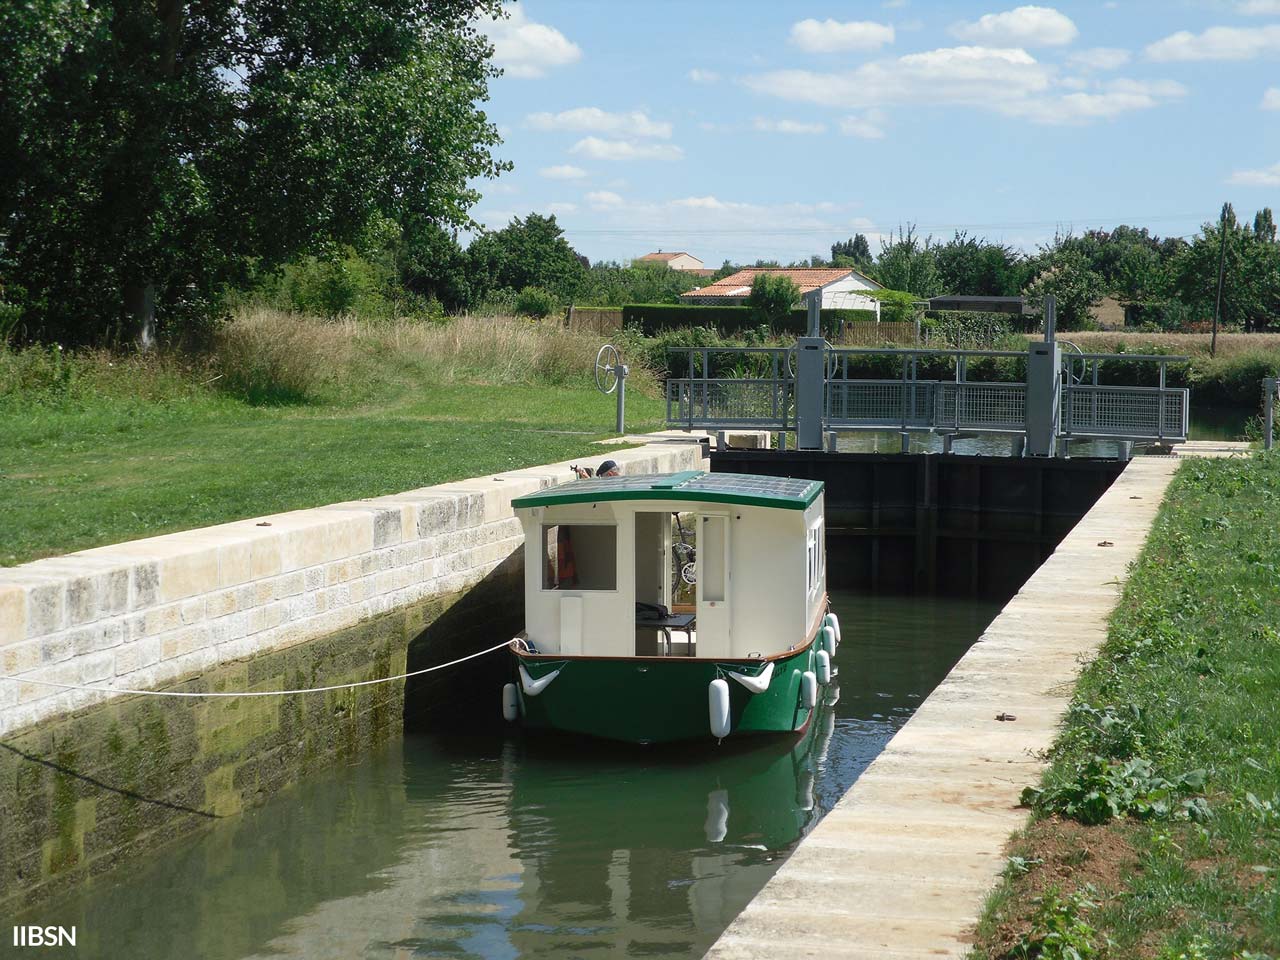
607 364
611 374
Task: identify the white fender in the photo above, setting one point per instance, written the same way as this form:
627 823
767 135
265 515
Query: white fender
534 687
758 684
718 707
823 666
809 690
827 641
510 702
832 621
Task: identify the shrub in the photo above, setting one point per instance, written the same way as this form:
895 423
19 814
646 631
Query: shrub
772 297
535 302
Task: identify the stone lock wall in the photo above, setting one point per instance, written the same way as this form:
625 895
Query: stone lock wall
333 595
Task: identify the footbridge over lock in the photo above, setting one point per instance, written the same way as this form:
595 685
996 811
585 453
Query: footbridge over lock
1043 398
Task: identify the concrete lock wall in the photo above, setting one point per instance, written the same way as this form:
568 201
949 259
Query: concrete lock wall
348 592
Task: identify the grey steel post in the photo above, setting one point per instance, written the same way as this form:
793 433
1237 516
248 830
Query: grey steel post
813 300
811 383
1050 318
623 370
1044 395
1269 411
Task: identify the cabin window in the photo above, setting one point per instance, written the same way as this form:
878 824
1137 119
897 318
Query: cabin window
579 556
816 557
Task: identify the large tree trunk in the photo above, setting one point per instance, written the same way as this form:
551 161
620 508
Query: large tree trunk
140 303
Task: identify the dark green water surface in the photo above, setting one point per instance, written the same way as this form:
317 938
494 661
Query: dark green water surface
493 847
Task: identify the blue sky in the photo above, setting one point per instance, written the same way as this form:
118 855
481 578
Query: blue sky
740 130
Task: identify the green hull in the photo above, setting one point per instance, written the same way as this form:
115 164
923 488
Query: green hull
660 699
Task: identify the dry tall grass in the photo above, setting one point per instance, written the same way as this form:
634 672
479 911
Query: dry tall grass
267 354
1184 344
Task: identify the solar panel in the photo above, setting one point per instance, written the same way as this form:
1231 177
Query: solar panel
689 485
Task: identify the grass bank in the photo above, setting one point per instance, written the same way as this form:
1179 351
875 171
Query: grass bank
1156 833
282 413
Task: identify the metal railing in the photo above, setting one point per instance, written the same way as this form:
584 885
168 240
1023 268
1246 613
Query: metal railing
759 403
720 391
1136 413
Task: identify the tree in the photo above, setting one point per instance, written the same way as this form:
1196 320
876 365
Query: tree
907 263
151 153
772 297
525 253
968 266
1251 286
1065 273
854 252
432 265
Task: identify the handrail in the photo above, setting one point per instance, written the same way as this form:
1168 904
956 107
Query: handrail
1156 357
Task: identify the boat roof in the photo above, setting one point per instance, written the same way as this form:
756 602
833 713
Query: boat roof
785 493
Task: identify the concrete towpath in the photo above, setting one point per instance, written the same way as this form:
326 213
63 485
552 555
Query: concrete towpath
901 866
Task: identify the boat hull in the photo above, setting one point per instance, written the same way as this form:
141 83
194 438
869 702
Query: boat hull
658 699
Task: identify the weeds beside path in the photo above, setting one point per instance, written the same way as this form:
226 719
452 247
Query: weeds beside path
1157 832
98 450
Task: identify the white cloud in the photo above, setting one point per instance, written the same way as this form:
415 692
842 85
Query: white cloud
604 199
1217 43
625 150
524 48
1100 58
977 76
1258 8
698 75
787 126
560 206
832 36
1266 177
1111 100
708 203
636 123
1271 99
1022 27
563 171
1007 81
867 127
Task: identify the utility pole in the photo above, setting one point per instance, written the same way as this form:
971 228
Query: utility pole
1222 265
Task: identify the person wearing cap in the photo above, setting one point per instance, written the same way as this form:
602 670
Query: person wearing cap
608 469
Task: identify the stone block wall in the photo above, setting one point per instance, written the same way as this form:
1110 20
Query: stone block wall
347 592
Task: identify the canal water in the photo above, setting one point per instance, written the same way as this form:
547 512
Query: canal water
509 847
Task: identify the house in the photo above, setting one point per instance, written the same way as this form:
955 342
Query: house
673 261
841 288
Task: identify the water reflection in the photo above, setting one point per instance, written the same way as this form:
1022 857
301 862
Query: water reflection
537 847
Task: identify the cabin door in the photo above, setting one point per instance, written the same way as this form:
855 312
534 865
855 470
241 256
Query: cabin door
713 585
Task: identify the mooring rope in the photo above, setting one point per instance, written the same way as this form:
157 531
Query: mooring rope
259 693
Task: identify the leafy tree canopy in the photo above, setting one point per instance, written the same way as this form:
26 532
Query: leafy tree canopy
772 297
159 150
526 253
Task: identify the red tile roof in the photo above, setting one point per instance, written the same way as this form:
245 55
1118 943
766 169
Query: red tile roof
739 284
665 257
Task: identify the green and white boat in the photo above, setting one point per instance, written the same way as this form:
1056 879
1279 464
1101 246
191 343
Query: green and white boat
609 650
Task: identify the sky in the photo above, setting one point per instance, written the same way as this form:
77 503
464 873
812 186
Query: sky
764 130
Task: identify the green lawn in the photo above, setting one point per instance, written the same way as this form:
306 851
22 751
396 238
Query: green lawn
1157 833
78 476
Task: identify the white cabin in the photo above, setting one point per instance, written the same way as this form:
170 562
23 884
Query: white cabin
594 548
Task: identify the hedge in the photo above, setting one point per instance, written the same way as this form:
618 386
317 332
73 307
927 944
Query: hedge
654 317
